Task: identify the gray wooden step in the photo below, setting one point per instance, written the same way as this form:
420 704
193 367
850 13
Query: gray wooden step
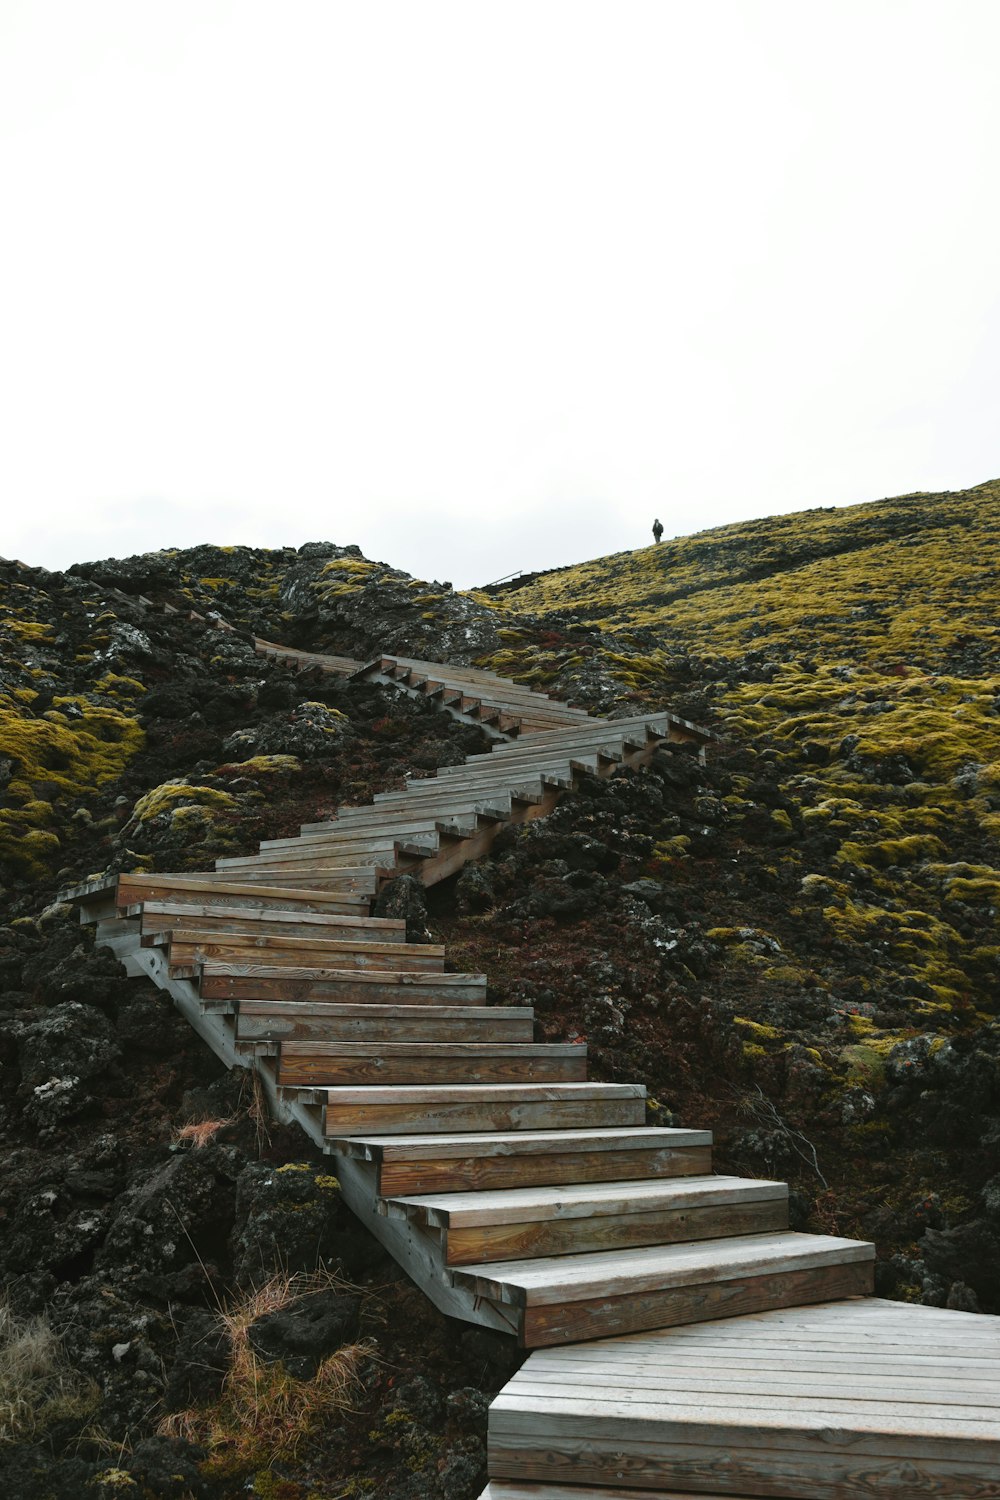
372 849
266 981
332 1064
840 1401
519 1223
455 1163
564 1299
479 1107
500 1489
118 895
189 948
161 916
287 1020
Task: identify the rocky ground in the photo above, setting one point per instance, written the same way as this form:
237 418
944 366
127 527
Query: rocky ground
795 945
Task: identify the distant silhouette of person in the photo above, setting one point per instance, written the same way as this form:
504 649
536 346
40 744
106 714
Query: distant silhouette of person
657 530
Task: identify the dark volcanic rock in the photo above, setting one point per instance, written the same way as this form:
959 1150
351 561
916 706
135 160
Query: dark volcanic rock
304 1333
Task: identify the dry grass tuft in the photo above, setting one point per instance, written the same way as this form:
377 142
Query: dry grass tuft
263 1413
199 1133
38 1387
254 1099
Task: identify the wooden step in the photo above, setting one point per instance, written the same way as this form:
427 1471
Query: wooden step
286 1020
500 1489
519 1223
427 797
497 789
160 916
564 1299
480 1107
443 1163
373 849
359 878
189 948
330 1064
840 1401
117 894
243 981
387 828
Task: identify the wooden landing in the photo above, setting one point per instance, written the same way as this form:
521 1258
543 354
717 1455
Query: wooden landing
830 1402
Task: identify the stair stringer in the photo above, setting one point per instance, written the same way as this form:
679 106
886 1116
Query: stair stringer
417 1252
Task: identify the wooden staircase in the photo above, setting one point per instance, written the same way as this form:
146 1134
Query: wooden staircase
689 1343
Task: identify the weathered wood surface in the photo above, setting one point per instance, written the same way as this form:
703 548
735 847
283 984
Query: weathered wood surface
811 1403
482 1107
265 981
158 916
271 1020
188 948
531 1222
418 1164
331 1063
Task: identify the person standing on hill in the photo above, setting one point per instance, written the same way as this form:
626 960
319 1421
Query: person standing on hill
657 530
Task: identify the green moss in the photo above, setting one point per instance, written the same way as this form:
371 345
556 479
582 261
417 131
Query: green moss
178 799
70 757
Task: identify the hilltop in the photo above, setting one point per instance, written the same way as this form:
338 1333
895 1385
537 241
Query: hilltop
795 944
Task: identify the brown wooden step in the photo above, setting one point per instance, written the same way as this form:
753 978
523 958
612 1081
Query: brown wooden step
288 1020
163 916
243 981
563 1299
518 1223
453 1163
190 948
342 854
848 1399
331 1064
117 895
479 1107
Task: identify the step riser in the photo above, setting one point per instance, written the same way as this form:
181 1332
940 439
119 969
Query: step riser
187 955
387 1119
467 1247
323 1072
572 1322
410 1177
338 929
345 991
281 899
219 929
357 1029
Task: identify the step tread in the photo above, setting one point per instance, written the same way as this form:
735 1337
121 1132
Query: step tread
585 1200
500 1093
527 1142
607 1272
424 1050
194 913
336 1010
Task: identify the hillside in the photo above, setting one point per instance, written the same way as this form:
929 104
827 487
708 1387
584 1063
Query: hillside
796 944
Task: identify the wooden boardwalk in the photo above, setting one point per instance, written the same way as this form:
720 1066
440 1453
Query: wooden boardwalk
688 1342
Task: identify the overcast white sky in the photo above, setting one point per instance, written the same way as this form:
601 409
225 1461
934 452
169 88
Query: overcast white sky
486 286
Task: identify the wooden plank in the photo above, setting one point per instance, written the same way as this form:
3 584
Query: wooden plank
187 948
241 981
335 1063
711 1462
587 1200
502 1489
629 1311
530 1157
550 1280
664 1226
277 1020
486 1107
262 918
